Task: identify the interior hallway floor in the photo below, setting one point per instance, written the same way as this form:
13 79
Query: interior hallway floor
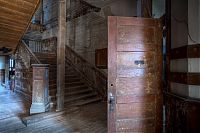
91 118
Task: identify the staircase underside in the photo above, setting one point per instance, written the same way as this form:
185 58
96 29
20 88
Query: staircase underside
15 16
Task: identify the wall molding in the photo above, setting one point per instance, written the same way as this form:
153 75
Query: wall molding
188 51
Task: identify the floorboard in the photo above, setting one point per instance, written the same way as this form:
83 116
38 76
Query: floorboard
91 118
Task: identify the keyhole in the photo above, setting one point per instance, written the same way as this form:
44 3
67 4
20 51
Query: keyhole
111 84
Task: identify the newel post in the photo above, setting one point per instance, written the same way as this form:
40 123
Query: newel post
40 92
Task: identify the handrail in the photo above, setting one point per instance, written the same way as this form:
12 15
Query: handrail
94 78
84 60
30 52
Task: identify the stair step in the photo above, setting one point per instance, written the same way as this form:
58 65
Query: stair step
72 76
76 87
87 101
68 80
72 99
78 92
74 84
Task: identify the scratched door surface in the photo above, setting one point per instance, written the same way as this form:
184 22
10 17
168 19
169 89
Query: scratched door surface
134 75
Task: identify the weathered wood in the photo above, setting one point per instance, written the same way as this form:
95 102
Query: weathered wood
61 54
40 91
182 114
134 74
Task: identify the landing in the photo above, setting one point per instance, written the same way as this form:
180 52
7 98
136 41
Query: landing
90 118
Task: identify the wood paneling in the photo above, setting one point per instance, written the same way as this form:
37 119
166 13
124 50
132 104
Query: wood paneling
101 58
185 78
189 51
14 20
182 114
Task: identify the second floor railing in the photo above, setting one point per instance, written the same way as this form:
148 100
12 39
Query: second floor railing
43 46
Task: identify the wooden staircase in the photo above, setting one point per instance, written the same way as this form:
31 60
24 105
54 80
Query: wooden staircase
77 93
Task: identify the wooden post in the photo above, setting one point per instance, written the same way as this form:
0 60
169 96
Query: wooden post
6 70
61 54
40 92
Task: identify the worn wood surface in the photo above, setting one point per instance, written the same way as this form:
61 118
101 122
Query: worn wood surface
14 20
182 114
87 119
134 75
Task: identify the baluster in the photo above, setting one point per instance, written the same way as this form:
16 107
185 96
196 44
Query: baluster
40 46
34 45
37 46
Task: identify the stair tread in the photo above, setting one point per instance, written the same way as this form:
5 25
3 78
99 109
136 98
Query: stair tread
76 87
74 98
87 101
75 82
77 92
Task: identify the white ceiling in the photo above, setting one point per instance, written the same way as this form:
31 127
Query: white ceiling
99 3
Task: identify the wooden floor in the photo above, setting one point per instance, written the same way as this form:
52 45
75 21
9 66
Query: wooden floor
90 118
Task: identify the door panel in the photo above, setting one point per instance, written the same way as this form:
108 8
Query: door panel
135 64
134 75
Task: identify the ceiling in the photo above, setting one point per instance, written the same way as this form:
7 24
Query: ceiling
99 3
15 16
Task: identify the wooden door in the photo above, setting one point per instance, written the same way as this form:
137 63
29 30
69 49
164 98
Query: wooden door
134 75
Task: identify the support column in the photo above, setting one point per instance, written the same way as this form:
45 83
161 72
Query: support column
61 54
40 92
6 70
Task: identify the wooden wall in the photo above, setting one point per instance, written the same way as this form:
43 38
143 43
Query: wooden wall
23 79
182 115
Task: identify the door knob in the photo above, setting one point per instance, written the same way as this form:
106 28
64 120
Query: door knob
111 98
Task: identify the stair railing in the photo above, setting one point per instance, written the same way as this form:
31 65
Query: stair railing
43 46
35 27
93 76
24 73
26 55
